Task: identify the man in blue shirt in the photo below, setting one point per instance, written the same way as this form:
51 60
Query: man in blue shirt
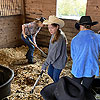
85 48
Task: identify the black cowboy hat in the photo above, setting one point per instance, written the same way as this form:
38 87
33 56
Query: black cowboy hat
66 89
85 20
42 19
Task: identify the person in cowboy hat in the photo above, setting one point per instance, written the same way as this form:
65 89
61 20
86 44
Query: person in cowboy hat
57 53
85 48
30 31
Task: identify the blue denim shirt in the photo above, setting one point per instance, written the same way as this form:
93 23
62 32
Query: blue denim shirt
85 48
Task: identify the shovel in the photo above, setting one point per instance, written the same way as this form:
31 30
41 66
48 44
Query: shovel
36 82
44 55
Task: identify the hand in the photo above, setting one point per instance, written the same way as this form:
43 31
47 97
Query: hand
25 36
44 70
35 45
99 32
44 67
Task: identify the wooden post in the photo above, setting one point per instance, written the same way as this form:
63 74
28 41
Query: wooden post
23 11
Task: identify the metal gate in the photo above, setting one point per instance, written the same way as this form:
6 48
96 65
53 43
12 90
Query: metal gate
11 7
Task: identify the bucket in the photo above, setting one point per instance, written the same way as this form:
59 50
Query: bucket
6 76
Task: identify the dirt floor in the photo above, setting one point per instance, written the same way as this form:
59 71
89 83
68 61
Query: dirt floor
25 74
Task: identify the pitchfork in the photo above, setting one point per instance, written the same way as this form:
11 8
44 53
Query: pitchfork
36 82
44 55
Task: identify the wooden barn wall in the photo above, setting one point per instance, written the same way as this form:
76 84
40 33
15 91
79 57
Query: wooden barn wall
10 29
37 8
93 10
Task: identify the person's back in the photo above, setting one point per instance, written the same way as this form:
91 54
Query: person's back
86 53
85 47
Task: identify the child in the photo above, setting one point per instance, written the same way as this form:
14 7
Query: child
57 53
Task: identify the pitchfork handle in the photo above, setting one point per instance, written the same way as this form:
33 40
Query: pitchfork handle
41 72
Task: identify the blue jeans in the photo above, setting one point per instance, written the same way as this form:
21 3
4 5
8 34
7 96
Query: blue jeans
29 54
54 73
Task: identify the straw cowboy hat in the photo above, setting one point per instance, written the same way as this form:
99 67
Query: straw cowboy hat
66 89
85 20
53 19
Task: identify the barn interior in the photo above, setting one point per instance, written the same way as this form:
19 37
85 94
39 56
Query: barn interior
13 14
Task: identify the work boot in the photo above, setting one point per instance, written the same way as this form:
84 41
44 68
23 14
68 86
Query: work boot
31 62
26 56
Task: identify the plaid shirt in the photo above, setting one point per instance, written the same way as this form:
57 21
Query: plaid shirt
31 28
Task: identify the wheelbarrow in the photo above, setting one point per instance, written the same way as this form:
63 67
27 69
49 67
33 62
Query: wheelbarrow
6 76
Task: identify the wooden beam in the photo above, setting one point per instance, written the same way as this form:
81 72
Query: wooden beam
23 11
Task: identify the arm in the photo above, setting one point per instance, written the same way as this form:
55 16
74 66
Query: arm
23 30
72 50
34 36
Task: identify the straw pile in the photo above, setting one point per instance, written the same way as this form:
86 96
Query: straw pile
26 74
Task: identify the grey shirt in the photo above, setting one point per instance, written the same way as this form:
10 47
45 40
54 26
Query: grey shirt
57 53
